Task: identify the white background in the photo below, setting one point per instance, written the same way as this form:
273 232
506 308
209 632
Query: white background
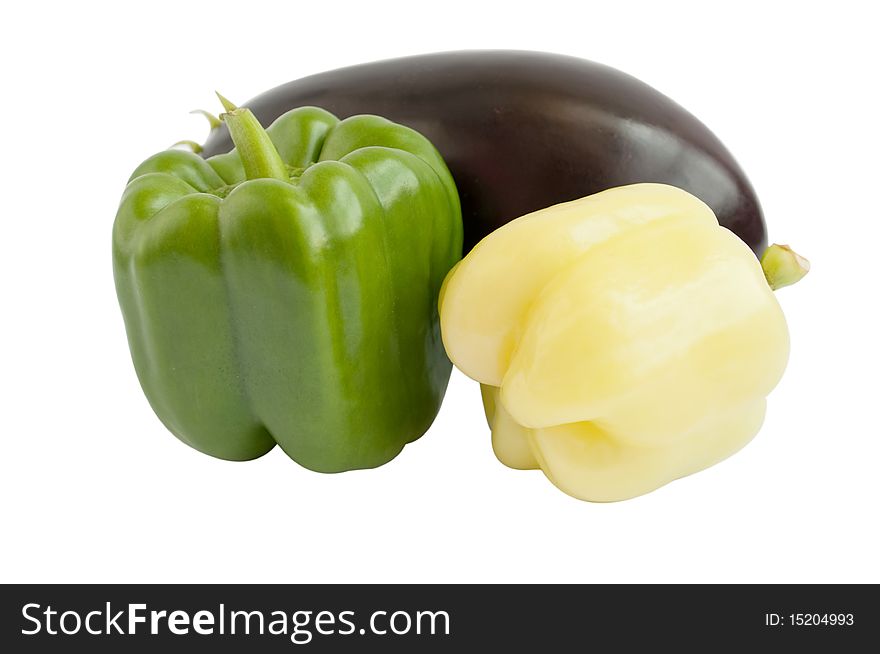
93 488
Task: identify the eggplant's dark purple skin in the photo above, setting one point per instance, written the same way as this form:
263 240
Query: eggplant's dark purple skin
521 131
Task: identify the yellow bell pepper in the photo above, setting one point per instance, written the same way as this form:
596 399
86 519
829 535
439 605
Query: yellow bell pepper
623 340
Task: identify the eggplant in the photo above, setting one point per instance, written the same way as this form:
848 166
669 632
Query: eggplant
524 130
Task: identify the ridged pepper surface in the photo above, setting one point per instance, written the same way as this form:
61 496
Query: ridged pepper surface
286 292
622 340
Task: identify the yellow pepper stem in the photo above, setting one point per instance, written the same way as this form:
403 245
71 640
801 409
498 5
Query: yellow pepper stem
783 266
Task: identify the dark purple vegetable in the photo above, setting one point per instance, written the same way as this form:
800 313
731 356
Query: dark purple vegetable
524 130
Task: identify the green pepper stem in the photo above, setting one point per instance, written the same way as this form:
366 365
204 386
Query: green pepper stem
213 121
192 145
783 266
228 105
258 155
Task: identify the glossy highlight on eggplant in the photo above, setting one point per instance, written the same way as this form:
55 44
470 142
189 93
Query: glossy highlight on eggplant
521 131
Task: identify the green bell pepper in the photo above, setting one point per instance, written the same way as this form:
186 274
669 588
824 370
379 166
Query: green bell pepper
286 292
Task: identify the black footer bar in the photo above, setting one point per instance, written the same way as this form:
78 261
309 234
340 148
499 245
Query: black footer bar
428 618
